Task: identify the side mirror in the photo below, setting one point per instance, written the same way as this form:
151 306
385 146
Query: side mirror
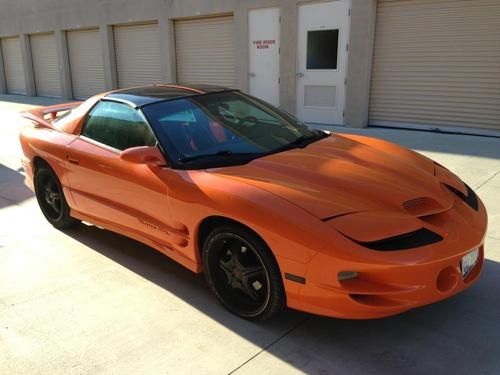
148 155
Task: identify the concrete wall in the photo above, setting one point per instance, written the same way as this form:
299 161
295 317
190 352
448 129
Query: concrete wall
3 84
362 37
24 17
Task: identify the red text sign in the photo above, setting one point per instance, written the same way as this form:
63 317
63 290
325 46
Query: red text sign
263 43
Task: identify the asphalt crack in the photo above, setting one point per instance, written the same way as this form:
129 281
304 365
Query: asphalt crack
488 180
297 325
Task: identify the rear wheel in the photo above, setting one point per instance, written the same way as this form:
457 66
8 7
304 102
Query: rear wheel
242 273
50 197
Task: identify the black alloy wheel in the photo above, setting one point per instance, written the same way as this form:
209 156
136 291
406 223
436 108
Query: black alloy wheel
243 274
50 197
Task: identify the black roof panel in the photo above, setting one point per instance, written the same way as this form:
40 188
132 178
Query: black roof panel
143 95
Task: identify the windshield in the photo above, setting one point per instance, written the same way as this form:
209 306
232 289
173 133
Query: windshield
224 128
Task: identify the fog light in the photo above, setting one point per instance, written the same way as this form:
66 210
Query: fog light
347 275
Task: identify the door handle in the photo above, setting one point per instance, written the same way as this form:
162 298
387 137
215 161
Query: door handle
299 75
72 160
252 75
105 166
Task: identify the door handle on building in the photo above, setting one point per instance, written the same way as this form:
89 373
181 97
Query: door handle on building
299 75
252 75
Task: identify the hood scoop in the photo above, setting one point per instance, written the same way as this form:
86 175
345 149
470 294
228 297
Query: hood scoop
423 206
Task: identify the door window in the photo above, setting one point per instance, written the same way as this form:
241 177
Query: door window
117 125
322 49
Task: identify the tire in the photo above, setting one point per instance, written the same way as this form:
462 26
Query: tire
50 196
242 273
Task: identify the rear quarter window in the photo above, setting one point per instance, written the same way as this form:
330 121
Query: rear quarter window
117 125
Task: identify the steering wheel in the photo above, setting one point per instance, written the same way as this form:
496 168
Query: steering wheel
249 121
227 115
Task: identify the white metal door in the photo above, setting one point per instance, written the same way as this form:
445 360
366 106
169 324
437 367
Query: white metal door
204 50
86 62
323 30
45 65
264 44
13 66
137 49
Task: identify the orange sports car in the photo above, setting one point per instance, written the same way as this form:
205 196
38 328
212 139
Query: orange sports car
273 212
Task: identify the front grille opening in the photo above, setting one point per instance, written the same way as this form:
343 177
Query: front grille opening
418 238
372 300
471 197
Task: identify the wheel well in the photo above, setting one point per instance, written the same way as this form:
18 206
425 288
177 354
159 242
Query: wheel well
39 162
210 223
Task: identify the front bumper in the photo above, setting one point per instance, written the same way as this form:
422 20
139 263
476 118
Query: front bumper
389 283
389 291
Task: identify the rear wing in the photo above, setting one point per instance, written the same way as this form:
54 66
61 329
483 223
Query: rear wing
43 116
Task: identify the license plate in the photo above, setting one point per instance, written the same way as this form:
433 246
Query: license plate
469 261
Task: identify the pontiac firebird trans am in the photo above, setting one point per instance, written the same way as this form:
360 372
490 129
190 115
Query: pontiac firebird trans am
274 213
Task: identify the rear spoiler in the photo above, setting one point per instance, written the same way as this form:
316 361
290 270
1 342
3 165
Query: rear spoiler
38 115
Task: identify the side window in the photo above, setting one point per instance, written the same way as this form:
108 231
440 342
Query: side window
117 125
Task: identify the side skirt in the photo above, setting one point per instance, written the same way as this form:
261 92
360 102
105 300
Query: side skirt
162 248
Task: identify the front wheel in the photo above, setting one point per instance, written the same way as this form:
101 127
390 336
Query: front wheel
243 274
50 197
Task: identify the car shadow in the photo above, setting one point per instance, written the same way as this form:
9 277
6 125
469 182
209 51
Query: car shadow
459 335
174 278
12 188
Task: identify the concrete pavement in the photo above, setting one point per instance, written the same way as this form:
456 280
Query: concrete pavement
88 301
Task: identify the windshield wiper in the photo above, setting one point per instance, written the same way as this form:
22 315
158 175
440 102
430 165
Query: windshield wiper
185 159
301 141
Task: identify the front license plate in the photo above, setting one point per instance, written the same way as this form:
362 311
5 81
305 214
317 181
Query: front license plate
469 261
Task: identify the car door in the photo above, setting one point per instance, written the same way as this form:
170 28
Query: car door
126 196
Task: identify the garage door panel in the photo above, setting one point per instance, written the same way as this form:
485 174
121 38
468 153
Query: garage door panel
86 62
436 62
137 49
13 65
205 51
45 65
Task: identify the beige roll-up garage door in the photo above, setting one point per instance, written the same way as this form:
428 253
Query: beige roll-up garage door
86 62
437 62
137 49
45 65
205 51
13 65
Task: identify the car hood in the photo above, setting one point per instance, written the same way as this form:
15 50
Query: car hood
346 174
